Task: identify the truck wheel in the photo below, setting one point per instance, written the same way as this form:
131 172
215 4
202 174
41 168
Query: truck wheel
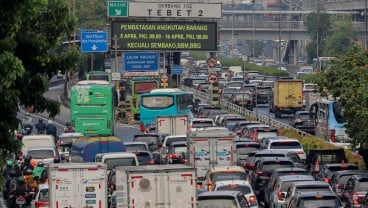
276 113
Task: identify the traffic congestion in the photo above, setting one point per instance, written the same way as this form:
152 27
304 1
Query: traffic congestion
189 153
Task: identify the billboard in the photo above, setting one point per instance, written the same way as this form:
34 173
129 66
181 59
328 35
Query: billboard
172 36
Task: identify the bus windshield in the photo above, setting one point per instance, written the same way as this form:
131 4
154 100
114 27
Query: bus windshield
157 101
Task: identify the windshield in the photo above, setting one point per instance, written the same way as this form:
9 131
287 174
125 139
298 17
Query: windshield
143 87
285 145
202 123
224 176
41 154
135 147
312 189
160 101
315 203
235 84
261 135
217 202
304 116
235 187
180 149
361 186
230 90
245 150
245 96
269 166
113 162
99 77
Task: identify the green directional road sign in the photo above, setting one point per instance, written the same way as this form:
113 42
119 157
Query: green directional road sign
117 9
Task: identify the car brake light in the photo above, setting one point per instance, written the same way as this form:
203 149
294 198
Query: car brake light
355 198
333 136
280 197
209 185
259 172
327 180
299 152
41 204
141 125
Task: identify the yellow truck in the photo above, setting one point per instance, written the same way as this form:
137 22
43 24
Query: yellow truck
287 97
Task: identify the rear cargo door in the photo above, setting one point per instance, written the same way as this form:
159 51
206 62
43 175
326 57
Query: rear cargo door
180 125
64 182
201 155
182 184
290 94
93 190
164 125
222 151
147 189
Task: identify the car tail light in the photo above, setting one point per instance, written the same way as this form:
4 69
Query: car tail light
209 185
316 168
254 136
134 102
299 152
141 125
279 196
355 198
151 162
252 200
199 186
41 204
259 172
332 135
251 166
327 180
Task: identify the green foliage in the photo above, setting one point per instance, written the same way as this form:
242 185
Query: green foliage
347 80
308 78
340 36
91 14
30 38
199 55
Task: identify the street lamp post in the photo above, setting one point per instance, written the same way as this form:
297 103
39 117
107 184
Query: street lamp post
232 29
254 33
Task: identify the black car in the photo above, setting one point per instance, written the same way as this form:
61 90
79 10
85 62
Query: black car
263 94
314 199
243 149
327 170
339 179
355 190
303 121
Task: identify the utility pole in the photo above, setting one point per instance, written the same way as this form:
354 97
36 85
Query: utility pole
232 29
318 61
254 33
279 49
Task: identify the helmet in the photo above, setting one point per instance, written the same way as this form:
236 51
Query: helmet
28 158
50 121
68 124
40 164
40 120
10 163
28 171
28 114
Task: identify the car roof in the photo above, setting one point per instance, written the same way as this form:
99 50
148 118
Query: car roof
248 143
311 183
283 140
218 193
279 170
266 151
258 126
319 193
338 164
296 177
267 159
349 172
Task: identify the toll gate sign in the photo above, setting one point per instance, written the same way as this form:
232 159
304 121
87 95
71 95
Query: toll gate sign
175 36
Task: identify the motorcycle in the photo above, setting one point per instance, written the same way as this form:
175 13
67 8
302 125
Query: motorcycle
28 129
18 201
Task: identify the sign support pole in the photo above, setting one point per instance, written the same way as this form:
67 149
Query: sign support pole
92 60
116 68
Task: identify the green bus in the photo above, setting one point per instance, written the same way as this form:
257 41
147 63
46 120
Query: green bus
137 86
92 107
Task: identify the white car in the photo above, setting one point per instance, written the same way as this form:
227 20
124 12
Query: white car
201 123
42 196
287 144
239 185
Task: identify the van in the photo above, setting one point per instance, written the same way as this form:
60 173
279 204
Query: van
113 159
37 141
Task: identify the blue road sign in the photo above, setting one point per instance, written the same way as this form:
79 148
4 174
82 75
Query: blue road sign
177 70
94 41
141 61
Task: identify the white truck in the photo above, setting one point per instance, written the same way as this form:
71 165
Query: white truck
77 185
163 186
210 148
172 125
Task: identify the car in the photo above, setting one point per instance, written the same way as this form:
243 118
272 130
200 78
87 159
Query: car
233 199
243 149
257 133
303 121
240 125
219 120
364 203
144 157
262 171
313 200
199 106
316 158
263 94
41 198
230 121
243 99
287 144
309 87
223 173
238 185
277 195
236 84
203 111
327 170
203 87
177 152
46 154
227 92
339 179
136 146
153 141
166 143
215 113
307 186
355 190
200 123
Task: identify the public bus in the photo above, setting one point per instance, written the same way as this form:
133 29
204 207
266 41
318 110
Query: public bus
323 63
164 102
329 122
136 86
92 107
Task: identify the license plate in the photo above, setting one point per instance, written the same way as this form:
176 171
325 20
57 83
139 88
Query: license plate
20 200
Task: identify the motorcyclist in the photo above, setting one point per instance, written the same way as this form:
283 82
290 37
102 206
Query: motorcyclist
27 164
29 180
9 166
41 127
51 129
69 128
39 172
27 123
21 190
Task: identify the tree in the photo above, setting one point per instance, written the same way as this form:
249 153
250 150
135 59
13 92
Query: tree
340 36
347 80
258 47
30 38
317 26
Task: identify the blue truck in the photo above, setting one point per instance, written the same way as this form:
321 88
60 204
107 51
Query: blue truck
84 149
